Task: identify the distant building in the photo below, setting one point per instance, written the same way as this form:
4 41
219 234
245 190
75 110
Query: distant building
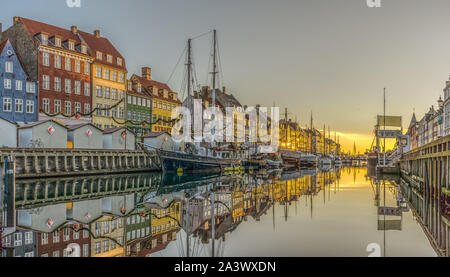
139 106
413 130
85 136
43 134
17 93
9 136
119 138
160 140
164 100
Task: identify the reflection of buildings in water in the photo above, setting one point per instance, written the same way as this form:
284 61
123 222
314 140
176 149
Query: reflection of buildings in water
114 223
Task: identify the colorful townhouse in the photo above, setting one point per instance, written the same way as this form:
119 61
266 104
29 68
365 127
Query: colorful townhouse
108 240
164 100
108 81
139 104
18 94
137 229
59 61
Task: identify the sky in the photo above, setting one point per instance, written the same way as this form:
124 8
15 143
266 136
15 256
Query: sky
332 58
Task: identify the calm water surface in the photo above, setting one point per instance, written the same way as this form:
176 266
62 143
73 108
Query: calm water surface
307 213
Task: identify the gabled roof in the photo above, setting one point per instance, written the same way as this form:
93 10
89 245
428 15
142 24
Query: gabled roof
33 124
116 129
78 126
103 45
2 46
9 121
155 134
151 83
35 27
413 121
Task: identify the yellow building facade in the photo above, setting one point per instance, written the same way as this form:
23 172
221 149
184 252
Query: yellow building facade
108 82
109 233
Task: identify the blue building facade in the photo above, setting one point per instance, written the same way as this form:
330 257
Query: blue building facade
18 96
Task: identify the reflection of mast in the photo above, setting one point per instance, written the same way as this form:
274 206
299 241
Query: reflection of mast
273 209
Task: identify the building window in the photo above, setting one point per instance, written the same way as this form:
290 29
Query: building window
114 94
46 82
129 99
66 233
7 83
56 253
18 85
122 77
99 55
7 104
77 87
114 112
107 111
9 67
87 108
46 105
68 108
17 239
18 106
68 64
71 46
30 106
83 49
107 74
119 61
105 246
77 107
109 58
58 84
99 112
44 39
114 76
57 106
57 61
105 227
78 66
31 87
46 59
57 42
87 68
85 250
98 89
97 248
87 89
107 93
121 113
68 86
98 72
44 238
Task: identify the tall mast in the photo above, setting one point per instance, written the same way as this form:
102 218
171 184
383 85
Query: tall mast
384 123
189 67
213 117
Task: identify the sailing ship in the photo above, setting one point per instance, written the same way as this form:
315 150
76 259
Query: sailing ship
212 158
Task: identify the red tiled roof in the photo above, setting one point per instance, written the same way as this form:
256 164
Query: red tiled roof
151 83
103 45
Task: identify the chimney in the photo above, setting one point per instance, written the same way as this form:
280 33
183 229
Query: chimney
74 29
147 73
97 33
16 19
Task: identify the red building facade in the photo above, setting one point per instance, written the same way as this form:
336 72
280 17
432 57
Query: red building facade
55 244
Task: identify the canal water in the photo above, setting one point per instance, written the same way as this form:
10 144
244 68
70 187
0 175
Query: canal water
340 212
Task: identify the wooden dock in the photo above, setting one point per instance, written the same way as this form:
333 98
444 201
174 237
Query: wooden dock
39 163
426 170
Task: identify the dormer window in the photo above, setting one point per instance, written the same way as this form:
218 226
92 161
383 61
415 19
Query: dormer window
119 61
44 39
109 58
155 90
57 42
83 49
71 45
99 55
139 88
130 85
166 94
